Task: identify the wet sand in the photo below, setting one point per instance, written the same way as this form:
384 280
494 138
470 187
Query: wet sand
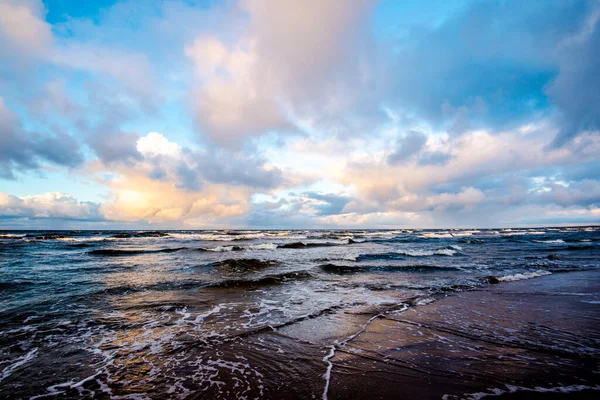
537 338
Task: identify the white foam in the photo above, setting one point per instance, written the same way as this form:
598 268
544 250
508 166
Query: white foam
84 239
12 236
493 392
350 257
329 356
31 318
523 276
436 235
201 317
204 236
262 246
221 248
424 301
426 253
327 374
6 372
550 241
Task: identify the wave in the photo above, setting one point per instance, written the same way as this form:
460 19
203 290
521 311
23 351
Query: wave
144 234
81 245
572 248
474 241
345 269
437 235
303 245
260 246
119 252
231 236
510 232
428 253
202 236
345 257
11 237
554 241
224 248
242 265
17 285
518 277
267 280
84 239
582 240
44 236
161 286
400 254
341 269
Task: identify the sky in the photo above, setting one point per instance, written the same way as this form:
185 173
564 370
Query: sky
185 114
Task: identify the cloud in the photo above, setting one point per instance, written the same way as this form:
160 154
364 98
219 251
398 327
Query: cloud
576 90
113 146
131 70
190 168
495 64
406 147
46 206
434 158
100 87
329 203
22 150
299 210
173 184
275 111
298 60
585 193
487 171
137 197
23 32
155 144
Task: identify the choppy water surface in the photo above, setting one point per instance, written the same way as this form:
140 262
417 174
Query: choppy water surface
126 314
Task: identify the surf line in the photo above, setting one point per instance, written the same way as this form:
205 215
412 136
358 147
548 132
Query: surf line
339 345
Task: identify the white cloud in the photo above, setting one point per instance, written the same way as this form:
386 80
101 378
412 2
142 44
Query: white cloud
48 205
155 144
295 60
23 31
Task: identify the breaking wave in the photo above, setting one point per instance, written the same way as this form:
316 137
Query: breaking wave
120 253
345 269
267 280
523 276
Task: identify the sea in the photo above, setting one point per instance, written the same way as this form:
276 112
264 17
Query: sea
203 314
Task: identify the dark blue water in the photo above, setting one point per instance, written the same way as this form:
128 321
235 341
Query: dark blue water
172 314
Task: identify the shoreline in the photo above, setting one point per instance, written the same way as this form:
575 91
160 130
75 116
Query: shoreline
535 338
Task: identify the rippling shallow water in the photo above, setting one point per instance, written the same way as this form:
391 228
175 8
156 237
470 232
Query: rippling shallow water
127 314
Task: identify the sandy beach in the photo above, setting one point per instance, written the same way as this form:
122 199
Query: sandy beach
538 338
